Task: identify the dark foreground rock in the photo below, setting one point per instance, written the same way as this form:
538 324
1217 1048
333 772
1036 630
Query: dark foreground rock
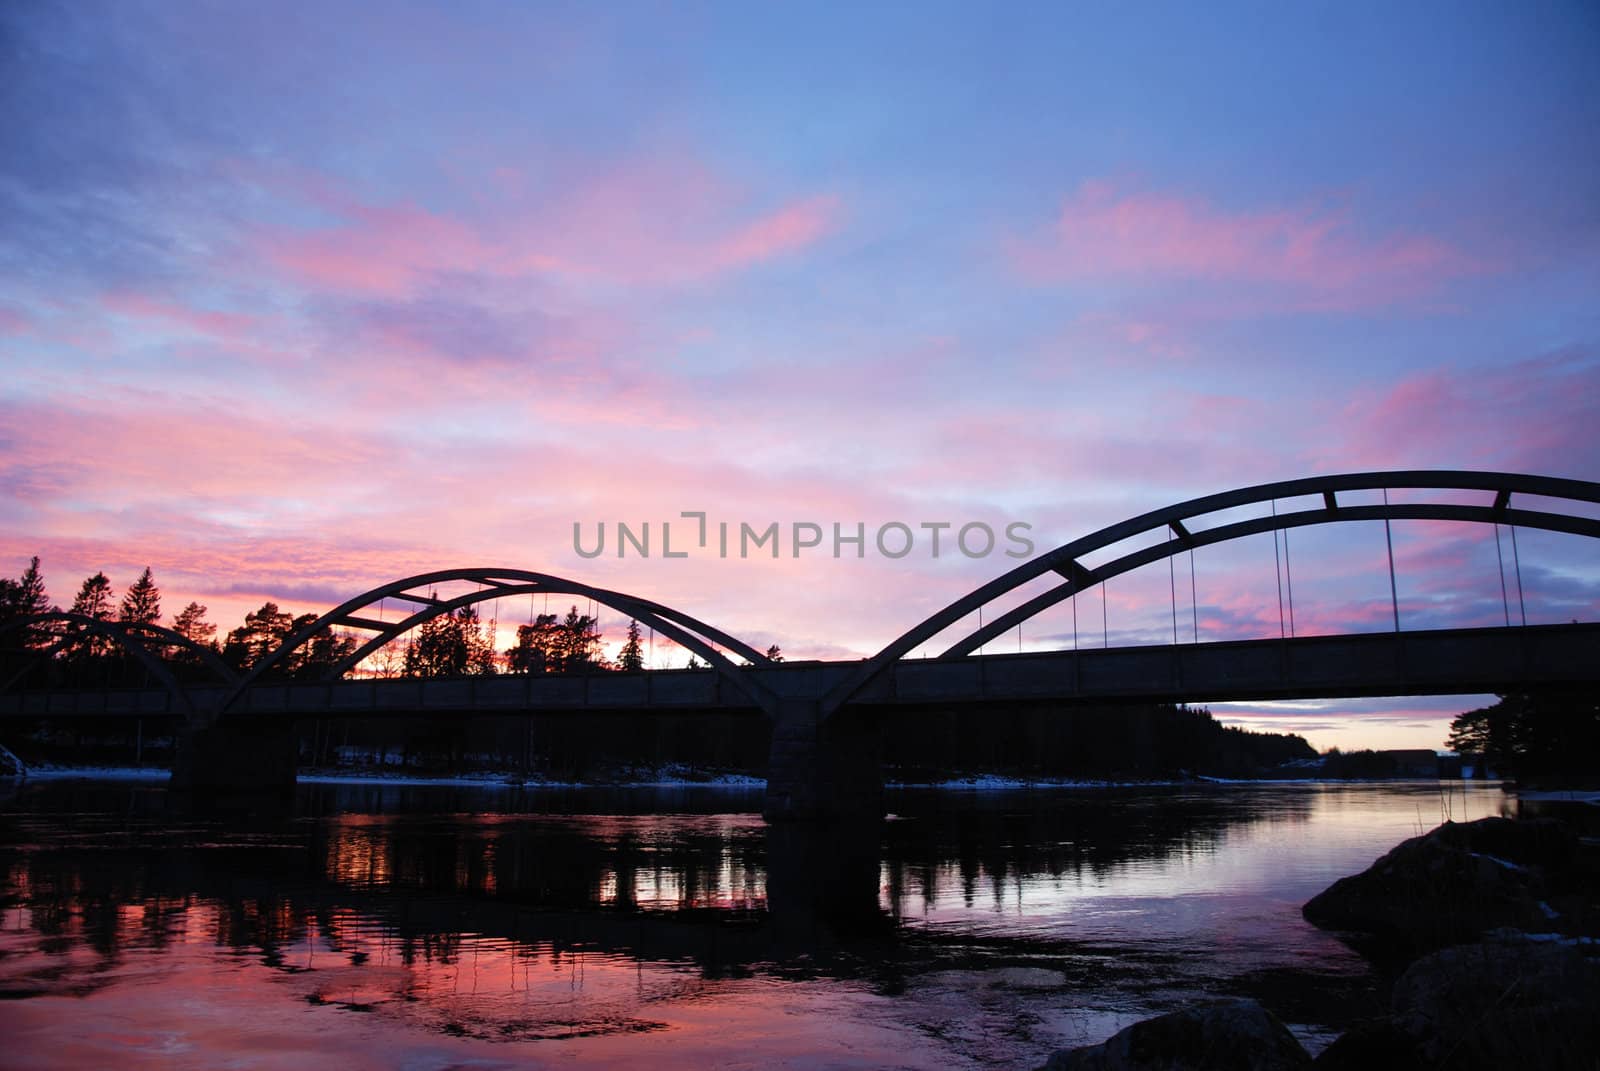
1510 1001
1222 1035
1506 1002
1453 885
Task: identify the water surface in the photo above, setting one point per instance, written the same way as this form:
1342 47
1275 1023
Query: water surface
432 927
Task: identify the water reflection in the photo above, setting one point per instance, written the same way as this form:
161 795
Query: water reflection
458 913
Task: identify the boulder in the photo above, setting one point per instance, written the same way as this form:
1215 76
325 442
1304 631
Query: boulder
1373 1046
1505 1002
1221 1035
1451 885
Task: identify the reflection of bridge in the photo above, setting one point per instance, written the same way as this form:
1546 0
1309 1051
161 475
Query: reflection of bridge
823 759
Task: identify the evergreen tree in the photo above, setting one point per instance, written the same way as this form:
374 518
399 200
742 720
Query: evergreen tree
317 657
631 657
578 643
30 597
21 597
192 625
260 635
450 645
774 653
94 600
142 603
1532 734
537 649
480 642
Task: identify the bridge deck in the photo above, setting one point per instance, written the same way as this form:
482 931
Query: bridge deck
1448 661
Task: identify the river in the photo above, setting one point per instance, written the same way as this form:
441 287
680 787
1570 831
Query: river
422 927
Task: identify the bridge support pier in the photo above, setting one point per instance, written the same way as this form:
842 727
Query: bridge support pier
823 770
239 764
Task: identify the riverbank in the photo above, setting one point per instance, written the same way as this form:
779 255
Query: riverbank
689 778
1486 935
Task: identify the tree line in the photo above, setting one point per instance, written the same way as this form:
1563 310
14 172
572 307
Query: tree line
1551 735
457 643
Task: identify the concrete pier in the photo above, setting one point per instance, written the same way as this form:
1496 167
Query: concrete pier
824 770
242 764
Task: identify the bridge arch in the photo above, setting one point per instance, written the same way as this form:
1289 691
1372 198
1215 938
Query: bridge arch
1064 560
688 632
131 637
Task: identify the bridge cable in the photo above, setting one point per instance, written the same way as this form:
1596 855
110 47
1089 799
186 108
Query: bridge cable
1516 560
1288 578
1277 570
1105 626
1194 603
1172 582
1388 537
1505 599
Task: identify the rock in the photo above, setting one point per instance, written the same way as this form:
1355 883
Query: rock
1222 1035
1541 842
1376 1046
1451 885
1507 1002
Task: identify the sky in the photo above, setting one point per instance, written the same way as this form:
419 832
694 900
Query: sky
299 299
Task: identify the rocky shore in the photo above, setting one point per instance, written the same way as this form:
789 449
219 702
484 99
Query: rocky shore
1491 932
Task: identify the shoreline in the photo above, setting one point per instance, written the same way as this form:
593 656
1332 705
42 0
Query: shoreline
745 782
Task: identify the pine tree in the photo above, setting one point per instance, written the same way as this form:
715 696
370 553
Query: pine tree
444 646
30 596
631 657
537 648
318 656
21 597
142 603
94 598
260 635
480 642
193 626
774 653
579 643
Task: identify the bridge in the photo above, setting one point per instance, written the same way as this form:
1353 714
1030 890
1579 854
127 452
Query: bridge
824 761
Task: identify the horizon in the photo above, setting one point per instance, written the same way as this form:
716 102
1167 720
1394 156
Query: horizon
297 303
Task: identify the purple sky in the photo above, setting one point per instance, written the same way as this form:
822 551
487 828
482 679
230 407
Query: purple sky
298 299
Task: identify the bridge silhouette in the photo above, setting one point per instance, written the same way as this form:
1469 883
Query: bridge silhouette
824 759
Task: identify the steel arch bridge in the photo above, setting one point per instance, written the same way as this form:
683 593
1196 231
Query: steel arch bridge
136 639
1176 524
702 639
831 687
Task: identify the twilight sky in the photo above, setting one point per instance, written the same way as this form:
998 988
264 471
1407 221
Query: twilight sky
297 299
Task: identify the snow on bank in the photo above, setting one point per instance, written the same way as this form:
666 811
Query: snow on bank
494 780
996 783
1574 795
51 772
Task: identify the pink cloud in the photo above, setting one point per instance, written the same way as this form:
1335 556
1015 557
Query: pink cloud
225 325
648 223
794 226
1540 411
14 321
1106 233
